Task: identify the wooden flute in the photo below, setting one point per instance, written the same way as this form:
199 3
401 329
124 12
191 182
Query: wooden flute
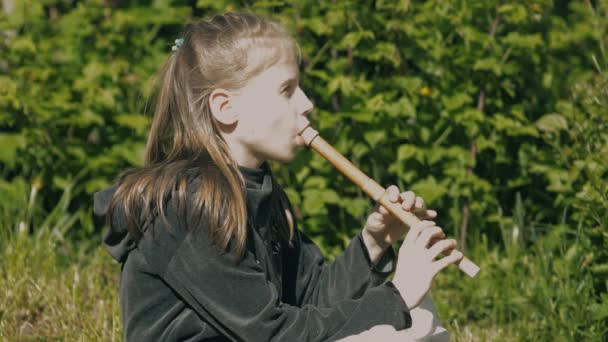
372 188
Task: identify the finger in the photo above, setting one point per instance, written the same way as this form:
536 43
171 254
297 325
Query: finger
415 230
425 237
441 247
419 202
408 198
448 250
375 221
453 258
382 210
433 241
393 193
375 217
425 214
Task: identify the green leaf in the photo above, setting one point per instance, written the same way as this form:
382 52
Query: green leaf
429 189
344 83
374 137
401 108
96 184
315 182
512 127
132 152
551 123
384 51
352 38
10 143
558 180
405 152
318 26
456 101
488 64
8 95
359 150
23 44
513 13
411 84
375 104
600 268
137 122
362 117
313 203
356 207
329 196
523 41
600 311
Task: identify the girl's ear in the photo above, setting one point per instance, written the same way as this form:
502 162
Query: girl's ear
222 109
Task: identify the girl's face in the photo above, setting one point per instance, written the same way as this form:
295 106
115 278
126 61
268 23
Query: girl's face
267 109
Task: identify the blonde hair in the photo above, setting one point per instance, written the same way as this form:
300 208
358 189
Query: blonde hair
224 51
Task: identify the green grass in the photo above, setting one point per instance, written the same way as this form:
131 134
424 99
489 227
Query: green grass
50 287
537 283
51 290
543 292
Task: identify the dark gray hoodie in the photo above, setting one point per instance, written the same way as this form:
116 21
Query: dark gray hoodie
178 286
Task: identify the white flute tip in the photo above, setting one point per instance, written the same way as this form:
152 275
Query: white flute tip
468 267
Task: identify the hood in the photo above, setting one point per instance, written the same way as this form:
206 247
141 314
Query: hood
119 243
117 240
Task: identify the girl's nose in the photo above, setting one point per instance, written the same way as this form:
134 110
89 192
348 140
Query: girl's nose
304 106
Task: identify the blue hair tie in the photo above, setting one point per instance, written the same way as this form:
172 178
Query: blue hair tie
178 43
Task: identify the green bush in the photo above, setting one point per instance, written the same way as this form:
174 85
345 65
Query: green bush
76 79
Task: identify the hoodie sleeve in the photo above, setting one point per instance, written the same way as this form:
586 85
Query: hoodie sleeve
348 276
243 304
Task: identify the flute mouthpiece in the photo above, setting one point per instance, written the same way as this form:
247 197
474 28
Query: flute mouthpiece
309 134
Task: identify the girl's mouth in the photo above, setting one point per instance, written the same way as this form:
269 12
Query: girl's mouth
300 141
301 124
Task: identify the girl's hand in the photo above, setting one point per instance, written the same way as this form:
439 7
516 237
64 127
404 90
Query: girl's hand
384 228
416 265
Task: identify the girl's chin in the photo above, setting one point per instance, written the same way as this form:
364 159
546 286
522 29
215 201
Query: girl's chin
284 159
293 150
288 152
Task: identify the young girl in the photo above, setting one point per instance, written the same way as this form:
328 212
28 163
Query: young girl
206 239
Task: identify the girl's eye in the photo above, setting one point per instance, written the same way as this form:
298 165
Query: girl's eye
289 91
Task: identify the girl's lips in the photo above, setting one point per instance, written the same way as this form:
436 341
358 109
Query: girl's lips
300 141
301 124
